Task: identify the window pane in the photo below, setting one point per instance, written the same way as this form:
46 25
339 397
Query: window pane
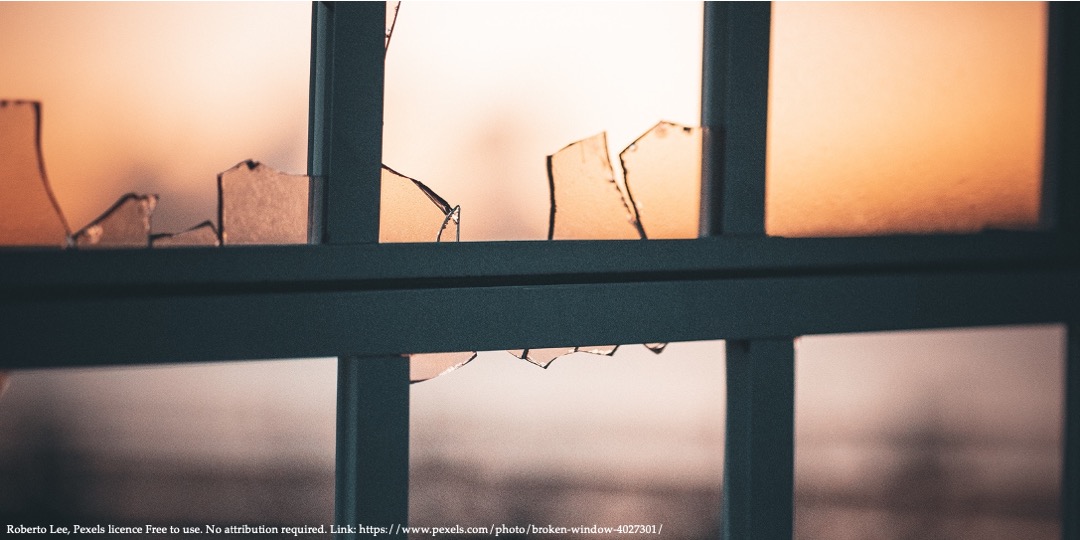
900 117
930 434
226 443
591 440
478 94
158 98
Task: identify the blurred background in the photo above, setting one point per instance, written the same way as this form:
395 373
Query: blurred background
942 434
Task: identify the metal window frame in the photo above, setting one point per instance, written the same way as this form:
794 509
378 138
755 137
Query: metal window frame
368 303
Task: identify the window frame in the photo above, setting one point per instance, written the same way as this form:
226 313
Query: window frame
368 303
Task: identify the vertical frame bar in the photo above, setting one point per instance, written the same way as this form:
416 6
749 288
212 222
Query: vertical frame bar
346 111
734 110
345 151
1070 482
758 450
371 486
759 446
1061 169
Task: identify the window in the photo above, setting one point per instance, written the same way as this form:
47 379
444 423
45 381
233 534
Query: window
756 292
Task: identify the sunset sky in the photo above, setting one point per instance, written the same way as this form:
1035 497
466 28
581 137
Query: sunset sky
883 118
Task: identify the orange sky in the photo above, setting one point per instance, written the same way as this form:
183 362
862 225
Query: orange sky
905 117
158 97
883 116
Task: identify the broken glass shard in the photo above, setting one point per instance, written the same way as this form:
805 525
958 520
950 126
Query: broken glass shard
603 350
541 357
430 365
392 9
662 170
586 202
409 211
656 347
126 224
203 234
29 213
259 205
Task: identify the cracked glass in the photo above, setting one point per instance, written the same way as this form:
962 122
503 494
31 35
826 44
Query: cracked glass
203 234
586 200
475 121
259 205
124 225
662 173
502 441
29 213
409 211
430 365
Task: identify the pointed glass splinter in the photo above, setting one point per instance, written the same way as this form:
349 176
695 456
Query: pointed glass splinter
29 214
430 365
259 205
392 9
662 170
409 211
125 224
203 234
603 350
656 347
586 202
541 357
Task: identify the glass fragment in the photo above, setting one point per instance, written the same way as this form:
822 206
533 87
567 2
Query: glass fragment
905 117
603 350
409 211
259 205
541 357
662 171
29 213
203 234
392 9
586 202
126 224
656 347
477 91
430 365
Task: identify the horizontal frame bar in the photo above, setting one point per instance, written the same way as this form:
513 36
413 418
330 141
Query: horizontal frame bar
70 273
187 327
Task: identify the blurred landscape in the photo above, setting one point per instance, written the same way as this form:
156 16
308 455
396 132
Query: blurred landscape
935 434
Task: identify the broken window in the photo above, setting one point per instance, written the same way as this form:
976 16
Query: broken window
124 225
428 366
258 205
475 121
662 172
29 213
203 234
586 202
409 211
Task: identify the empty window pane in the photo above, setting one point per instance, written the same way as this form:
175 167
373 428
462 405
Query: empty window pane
930 434
900 117
225 443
